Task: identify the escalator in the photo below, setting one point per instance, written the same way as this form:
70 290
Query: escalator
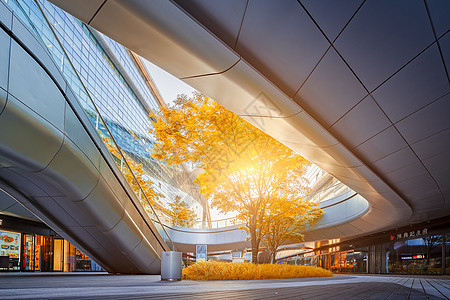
53 161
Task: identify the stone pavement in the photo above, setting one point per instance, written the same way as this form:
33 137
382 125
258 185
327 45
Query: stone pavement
104 286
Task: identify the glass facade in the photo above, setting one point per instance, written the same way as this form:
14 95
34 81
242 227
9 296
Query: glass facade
40 253
411 250
98 68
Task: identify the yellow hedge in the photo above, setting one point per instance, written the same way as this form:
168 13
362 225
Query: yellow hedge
213 270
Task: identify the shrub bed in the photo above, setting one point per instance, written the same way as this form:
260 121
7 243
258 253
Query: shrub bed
213 270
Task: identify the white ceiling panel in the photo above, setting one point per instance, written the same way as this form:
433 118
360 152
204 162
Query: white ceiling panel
181 43
223 17
420 189
433 145
331 15
84 10
440 12
395 161
330 91
420 82
427 121
438 166
444 43
246 93
383 144
381 38
280 40
360 124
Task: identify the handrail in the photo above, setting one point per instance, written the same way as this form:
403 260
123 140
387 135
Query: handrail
169 220
231 229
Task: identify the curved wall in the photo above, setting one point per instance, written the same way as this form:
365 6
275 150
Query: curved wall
54 163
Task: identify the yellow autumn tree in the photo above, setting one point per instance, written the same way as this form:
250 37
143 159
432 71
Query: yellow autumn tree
285 218
182 214
141 177
242 168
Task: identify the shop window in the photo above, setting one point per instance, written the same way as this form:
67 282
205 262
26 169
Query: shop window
37 253
10 248
83 263
417 256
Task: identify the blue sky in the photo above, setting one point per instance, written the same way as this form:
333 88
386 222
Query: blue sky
169 86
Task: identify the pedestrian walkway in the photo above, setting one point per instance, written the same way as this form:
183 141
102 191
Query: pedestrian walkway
104 286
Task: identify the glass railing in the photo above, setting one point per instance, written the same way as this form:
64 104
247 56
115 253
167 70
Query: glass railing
44 31
324 194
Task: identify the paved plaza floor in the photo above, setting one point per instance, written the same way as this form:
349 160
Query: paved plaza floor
104 286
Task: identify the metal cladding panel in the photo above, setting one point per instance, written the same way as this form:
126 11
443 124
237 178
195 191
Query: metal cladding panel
318 94
72 172
106 214
5 16
380 145
30 83
5 42
444 43
332 15
143 257
52 207
78 135
413 128
141 22
34 46
125 235
376 47
432 145
86 9
38 143
224 16
108 176
426 74
439 10
361 123
3 96
280 40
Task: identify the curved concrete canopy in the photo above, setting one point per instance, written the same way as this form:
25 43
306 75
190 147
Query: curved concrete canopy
362 92
339 212
54 163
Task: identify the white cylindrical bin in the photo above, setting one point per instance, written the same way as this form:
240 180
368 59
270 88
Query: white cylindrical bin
171 266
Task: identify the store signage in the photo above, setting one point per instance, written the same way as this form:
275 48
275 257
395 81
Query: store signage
201 252
308 254
10 243
409 234
334 249
419 256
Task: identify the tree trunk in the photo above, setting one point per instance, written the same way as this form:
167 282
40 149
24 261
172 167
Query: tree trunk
272 257
255 245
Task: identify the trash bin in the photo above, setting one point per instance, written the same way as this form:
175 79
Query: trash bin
171 266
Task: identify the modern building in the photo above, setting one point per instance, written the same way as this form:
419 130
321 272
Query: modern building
359 88
117 96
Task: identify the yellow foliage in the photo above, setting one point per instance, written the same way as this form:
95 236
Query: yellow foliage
213 270
136 176
242 168
181 212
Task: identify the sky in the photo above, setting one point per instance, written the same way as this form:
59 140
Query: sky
169 87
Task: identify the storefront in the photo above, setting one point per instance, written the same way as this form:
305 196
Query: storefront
32 246
417 249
